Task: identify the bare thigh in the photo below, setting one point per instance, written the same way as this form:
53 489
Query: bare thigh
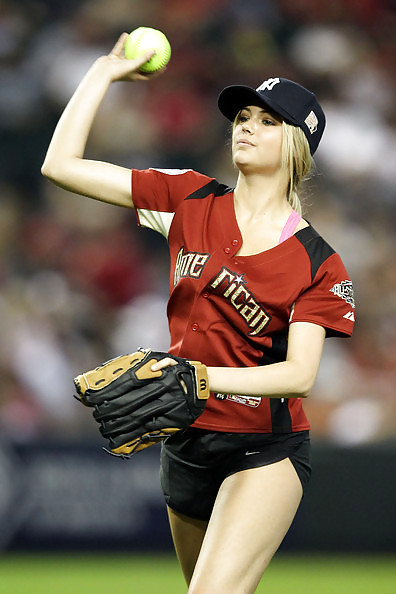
188 534
253 511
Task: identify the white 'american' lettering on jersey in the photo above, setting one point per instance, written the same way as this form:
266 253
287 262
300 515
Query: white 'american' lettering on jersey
232 287
189 264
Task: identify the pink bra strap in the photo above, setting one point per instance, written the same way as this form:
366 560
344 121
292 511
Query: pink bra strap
290 226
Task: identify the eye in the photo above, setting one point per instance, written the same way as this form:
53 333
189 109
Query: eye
242 118
268 122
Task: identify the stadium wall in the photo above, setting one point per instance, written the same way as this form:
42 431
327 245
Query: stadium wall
61 497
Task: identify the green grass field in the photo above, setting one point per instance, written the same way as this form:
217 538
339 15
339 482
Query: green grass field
105 574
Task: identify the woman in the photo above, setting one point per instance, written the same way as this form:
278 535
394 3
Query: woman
254 291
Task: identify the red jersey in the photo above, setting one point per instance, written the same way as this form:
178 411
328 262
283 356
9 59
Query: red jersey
234 311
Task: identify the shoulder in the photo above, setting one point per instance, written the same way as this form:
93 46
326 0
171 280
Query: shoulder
315 246
328 300
179 184
202 185
211 188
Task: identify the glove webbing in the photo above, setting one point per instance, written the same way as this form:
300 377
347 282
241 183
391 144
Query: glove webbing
146 440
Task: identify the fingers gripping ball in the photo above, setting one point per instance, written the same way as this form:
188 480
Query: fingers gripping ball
144 39
137 407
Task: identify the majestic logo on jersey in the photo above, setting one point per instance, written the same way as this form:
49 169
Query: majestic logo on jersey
349 316
252 401
232 286
344 289
268 84
189 264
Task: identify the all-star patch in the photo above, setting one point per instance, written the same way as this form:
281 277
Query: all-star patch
344 289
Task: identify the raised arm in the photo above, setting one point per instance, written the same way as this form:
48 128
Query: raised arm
64 163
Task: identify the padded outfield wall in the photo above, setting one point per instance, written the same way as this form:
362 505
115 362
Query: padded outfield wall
68 497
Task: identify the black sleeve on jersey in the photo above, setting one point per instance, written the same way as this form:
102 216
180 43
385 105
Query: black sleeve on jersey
211 188
316 247
277 351
280 414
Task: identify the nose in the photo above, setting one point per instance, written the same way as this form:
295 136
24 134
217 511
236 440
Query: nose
247 127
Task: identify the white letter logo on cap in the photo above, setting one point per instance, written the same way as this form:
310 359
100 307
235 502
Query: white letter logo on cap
268 84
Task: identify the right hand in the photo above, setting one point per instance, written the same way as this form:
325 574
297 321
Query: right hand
121 68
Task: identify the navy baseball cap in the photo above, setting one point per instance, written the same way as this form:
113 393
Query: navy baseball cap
288 99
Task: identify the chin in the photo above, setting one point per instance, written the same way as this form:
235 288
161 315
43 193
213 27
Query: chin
241 161
249 166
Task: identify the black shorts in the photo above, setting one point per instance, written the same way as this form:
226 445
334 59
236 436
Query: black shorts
195 462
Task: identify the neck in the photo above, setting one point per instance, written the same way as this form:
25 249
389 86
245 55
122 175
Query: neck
260 196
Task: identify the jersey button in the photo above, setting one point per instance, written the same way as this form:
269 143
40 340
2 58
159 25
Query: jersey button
235 242
194 327
205 295
227 250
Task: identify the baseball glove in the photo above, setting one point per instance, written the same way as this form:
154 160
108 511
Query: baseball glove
137 407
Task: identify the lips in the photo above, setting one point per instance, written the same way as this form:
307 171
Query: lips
244 142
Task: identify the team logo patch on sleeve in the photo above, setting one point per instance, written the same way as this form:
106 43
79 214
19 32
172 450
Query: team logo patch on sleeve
344 289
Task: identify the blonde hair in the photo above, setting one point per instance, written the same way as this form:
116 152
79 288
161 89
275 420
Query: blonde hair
296 160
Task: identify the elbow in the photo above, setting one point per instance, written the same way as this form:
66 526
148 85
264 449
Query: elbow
298 392
305 386
48 170
301 377
304 393
44 171
55 171
304 382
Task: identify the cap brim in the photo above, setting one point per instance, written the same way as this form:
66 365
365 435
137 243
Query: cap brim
234 98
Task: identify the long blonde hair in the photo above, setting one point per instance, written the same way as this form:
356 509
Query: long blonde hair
296 159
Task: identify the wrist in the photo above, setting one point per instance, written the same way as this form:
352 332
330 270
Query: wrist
102 70
213 378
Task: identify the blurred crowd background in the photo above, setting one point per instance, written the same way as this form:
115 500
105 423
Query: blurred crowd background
80 283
